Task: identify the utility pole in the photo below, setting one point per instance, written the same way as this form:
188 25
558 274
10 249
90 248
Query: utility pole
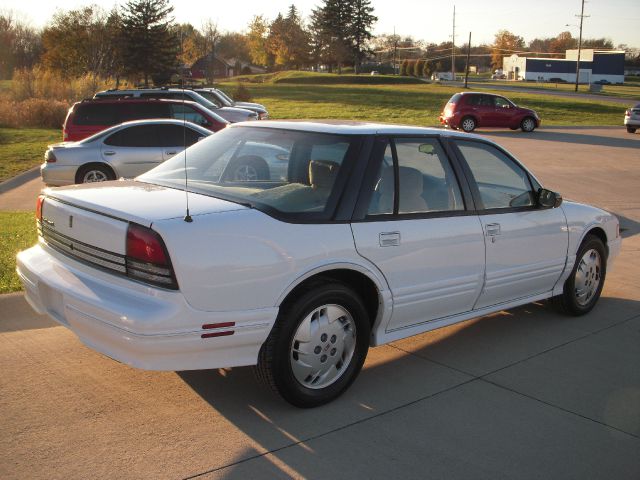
453 46
395 50
582 17
466 74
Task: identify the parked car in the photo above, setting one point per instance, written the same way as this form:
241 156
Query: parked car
632 118
377 233
91 116
218 97
231 114
469 110
126 150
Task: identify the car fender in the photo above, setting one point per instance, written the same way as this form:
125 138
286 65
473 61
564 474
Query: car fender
367 269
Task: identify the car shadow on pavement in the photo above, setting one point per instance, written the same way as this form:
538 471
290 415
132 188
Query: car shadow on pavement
404 373
568 137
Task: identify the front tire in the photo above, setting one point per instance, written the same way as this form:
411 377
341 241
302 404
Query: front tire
583 287
468 124
317 346
528 124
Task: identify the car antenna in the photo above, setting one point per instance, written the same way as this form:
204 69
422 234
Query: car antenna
187 217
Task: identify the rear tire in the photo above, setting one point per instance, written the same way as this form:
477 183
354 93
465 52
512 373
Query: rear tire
468 124
583 287
94 173
528 124
317 345
631 130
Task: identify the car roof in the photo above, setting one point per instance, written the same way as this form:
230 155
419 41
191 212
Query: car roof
164 121
104 100
347 127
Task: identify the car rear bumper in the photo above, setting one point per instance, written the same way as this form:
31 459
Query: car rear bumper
141 326
58 175
632 122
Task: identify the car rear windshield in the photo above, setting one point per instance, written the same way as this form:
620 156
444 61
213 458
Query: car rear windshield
281 171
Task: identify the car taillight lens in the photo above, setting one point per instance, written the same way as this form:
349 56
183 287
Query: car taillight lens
449 109
627 113
39 203
147 258
49 156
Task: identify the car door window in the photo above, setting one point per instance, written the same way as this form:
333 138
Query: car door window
188 113
426 182
502 102
143 110
138 136
501 182
176 136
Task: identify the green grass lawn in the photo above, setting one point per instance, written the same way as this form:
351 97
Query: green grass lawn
23 148
17 232
413 104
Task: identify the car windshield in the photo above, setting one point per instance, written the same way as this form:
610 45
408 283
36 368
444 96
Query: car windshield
224 95
267 168
212 97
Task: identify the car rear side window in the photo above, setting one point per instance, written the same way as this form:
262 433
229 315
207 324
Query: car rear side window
176 135
455 98
137 136
95 114
426 181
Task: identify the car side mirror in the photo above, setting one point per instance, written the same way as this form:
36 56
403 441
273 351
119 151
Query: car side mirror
549 199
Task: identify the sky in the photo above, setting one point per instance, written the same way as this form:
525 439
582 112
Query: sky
618 20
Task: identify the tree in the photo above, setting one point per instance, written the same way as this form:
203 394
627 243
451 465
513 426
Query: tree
418 68
257 40
209 35
404 67
150 44
563 42
359 33
83 41
427 69
21 45
505 43
233 45
288 42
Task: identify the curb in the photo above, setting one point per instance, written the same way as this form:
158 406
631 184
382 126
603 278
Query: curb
20 179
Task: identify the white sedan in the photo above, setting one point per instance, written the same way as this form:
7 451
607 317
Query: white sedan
369 233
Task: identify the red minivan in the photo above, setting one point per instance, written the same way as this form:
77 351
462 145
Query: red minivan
468 110
91 116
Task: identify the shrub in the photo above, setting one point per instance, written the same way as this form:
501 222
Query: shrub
43 83
404 67
418 68
426 69
241 93
33 112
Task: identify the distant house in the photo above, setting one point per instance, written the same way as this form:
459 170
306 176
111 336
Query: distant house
211 66
595 66
218 67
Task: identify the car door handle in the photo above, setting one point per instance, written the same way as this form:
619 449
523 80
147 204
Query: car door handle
109 152
172 152
389 239
492 229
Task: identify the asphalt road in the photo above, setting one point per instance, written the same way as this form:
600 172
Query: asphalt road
521 394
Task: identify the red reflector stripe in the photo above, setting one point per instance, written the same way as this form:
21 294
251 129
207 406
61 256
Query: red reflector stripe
218 325
226 333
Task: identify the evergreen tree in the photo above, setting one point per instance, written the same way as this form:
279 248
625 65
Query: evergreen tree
150 46
361 21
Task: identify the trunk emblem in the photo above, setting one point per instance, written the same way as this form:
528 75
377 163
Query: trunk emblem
70 221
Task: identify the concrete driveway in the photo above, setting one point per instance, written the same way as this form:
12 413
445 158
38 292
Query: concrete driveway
521 394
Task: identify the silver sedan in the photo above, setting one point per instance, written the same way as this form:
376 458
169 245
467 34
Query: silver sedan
125 150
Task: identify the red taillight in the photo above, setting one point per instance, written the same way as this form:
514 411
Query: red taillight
49 156
147 258
39 203
449 109
627 113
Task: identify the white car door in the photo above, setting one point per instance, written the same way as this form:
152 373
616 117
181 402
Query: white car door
526 245
418 233
132 150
